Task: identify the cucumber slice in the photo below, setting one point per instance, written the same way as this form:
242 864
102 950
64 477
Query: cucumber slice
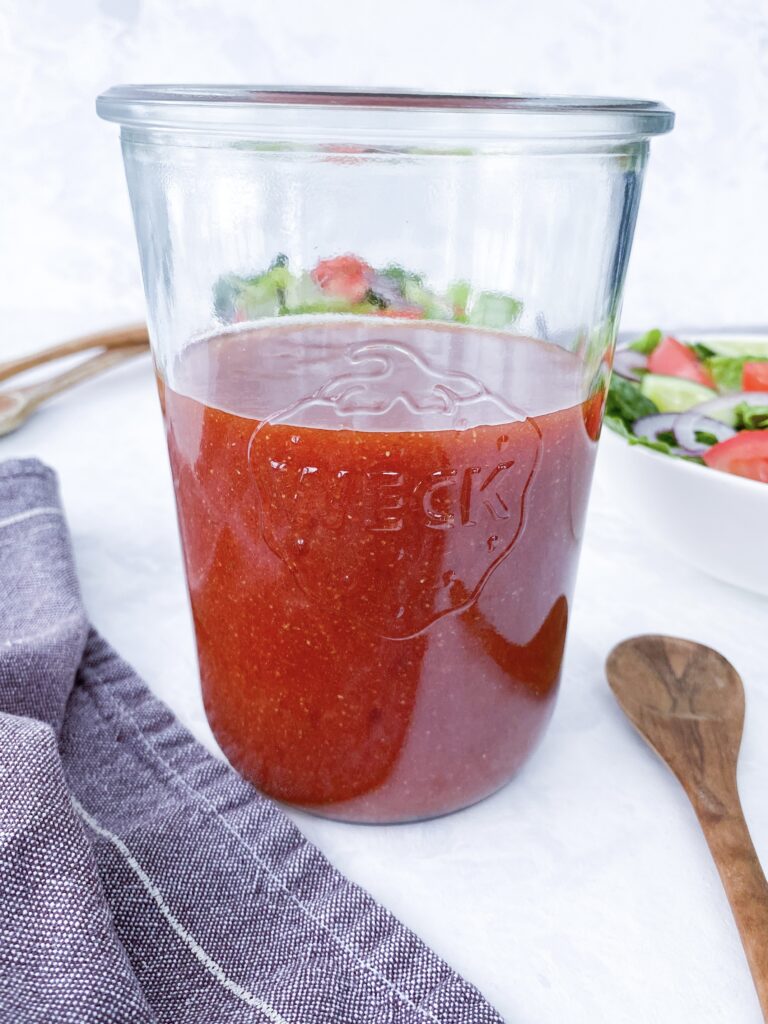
735 345
674 394
493 309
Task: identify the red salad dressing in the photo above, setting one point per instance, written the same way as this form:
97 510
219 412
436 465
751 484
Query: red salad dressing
381 524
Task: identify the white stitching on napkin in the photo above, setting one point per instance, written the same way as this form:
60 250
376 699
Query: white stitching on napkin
29 514
186 937
198 798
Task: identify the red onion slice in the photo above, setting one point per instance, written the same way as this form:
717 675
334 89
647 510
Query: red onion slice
688 424
652 426
725 404
626 363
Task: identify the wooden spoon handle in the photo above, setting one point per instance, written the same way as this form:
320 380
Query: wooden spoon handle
120 337
36 394
744 882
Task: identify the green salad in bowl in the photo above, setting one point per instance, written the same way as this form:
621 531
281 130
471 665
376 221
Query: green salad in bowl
703 400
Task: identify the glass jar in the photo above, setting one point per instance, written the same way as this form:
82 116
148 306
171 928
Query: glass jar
382 325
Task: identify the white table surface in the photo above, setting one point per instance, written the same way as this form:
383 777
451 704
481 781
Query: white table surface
583 892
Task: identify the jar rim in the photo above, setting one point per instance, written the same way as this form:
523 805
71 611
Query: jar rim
306 111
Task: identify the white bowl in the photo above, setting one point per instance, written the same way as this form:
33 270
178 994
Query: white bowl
715 521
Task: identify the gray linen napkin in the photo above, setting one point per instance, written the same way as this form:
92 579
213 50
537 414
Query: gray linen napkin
141 880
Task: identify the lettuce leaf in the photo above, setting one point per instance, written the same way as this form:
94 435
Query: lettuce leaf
702 351
627 402
458 295
647 342
399 276
751 417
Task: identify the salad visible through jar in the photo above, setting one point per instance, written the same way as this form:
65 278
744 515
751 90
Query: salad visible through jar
703 400
348 284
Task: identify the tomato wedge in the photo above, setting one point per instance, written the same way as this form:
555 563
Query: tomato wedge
344 277
593 413
746 454
673 359
755 376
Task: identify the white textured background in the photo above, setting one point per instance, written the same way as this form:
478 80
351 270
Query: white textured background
66 248
583 893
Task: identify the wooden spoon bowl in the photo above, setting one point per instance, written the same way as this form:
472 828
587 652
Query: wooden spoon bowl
687 702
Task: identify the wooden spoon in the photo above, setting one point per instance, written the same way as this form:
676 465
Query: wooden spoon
687 702
120 337
18 404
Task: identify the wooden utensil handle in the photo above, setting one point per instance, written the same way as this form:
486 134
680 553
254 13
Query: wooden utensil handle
120 337
744 882
35 394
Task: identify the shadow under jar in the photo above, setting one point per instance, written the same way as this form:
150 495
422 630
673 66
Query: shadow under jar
382 325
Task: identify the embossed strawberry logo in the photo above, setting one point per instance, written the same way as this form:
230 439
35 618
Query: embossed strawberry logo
394 528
